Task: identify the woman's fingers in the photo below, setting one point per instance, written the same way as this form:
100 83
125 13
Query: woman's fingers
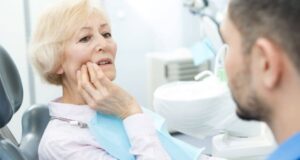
86 84
94 78
101 77
101 94
83 93
92 74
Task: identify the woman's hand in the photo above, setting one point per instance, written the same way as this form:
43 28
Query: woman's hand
103 95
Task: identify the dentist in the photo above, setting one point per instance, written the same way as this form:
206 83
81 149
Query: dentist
263 67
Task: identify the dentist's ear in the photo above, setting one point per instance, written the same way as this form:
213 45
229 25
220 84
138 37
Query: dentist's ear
269 61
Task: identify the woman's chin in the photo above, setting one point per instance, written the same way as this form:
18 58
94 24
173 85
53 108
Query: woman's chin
109 71
111 75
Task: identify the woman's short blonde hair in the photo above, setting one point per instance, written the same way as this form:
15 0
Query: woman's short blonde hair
55 27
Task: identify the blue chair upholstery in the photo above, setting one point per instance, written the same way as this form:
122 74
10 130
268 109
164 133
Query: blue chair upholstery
34 120
11 96
9 151
11 90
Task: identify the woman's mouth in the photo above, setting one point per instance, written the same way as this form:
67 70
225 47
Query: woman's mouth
105 61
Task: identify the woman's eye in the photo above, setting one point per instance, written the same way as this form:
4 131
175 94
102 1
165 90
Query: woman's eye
85 39
106 35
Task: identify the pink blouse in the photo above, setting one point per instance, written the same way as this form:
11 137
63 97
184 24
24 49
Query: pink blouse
64 141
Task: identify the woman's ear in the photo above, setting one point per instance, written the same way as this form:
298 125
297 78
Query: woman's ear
60 70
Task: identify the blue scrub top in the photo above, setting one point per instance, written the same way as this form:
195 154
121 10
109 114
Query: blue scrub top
289 150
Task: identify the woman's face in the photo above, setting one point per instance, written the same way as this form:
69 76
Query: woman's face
92 43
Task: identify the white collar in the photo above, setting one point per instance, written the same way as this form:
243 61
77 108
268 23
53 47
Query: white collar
81 113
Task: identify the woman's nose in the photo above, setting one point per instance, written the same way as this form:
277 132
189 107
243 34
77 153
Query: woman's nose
101 43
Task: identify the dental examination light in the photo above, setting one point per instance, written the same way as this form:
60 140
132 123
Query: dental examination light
213 8
196 6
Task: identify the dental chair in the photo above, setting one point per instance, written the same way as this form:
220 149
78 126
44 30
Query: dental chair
34 120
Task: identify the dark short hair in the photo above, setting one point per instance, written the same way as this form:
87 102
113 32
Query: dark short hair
277 20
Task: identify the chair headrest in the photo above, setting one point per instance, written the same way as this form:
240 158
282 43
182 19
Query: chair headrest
11 90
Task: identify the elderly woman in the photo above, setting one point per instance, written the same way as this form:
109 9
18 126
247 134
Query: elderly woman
72 46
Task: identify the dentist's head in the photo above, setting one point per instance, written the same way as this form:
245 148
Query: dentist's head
263 61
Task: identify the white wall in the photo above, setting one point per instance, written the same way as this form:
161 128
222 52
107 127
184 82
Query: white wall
12 38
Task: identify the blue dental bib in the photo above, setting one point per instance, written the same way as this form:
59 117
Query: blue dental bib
111 135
